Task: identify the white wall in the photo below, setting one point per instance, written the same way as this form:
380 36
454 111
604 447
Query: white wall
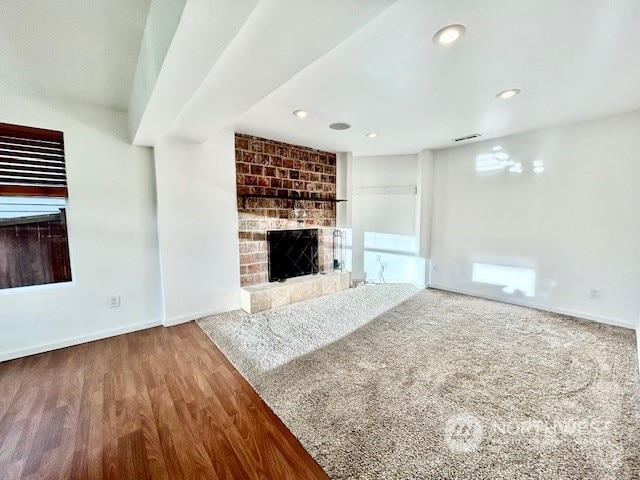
112 234
383 217
424 215
344 162
197 227
575 225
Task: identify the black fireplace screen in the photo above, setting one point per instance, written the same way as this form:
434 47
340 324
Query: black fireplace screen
292 253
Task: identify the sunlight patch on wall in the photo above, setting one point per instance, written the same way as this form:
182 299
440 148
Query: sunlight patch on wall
512 279
498 160
389 257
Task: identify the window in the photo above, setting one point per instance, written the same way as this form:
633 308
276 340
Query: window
34 246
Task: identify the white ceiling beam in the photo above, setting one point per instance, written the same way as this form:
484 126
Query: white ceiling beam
181 44
278 40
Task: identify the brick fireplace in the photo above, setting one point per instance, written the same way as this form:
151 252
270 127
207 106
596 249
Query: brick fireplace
304 176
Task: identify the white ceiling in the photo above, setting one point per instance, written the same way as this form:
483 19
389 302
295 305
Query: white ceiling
227 55
371 64
573 60
84 50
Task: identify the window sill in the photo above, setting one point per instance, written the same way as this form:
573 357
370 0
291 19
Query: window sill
36 288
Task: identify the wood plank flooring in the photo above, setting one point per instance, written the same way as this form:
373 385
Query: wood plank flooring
162 403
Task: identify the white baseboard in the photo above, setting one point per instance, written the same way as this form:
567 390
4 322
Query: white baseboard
401 280
170 322
47 347
547 308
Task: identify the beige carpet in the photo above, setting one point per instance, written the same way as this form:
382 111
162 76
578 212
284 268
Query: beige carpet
388 382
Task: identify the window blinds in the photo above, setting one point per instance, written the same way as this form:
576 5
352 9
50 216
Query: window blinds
31 162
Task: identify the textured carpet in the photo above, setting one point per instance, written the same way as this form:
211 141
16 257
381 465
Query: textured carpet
390 382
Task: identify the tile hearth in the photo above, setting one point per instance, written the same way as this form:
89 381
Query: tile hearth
258 298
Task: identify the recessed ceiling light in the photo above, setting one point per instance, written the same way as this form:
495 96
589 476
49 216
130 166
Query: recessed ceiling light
339 126
300 113
512 92
449 34
372 135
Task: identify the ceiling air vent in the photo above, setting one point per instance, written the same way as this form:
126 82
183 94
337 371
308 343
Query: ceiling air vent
466 137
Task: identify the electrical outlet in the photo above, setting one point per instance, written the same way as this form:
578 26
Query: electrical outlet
114 301
594 294
435 267
377 258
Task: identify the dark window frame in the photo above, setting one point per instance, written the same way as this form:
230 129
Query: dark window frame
34 249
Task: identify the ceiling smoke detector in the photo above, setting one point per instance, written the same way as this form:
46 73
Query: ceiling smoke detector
339 126
466 137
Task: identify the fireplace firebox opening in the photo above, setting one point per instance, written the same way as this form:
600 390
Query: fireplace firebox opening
292 253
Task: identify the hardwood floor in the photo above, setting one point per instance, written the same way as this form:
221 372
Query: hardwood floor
162 403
